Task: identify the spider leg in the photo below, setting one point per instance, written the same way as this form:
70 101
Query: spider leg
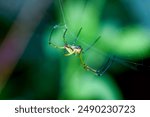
85 66
64 36
92 44
105 67
101 70
70 53
75 41
55 46
50 38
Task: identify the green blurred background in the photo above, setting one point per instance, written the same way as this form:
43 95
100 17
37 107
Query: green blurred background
32 69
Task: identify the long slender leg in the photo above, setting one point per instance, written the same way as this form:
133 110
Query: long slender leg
64 36
50 37
85 66
92 44
101 70
105 67
68 54
55 46
75 41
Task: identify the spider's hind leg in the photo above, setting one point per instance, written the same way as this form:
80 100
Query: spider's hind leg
105 67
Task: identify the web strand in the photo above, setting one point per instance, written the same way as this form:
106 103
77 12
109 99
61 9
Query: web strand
62 11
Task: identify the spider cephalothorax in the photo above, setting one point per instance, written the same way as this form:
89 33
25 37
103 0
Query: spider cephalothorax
72 49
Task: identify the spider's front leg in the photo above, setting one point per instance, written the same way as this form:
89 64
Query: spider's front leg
70 53
50 38
55 46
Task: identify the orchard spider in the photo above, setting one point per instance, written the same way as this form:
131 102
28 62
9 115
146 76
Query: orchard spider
74 49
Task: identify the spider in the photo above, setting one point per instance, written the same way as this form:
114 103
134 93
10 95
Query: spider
74 49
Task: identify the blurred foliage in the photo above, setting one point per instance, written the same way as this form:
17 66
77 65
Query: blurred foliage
44 73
